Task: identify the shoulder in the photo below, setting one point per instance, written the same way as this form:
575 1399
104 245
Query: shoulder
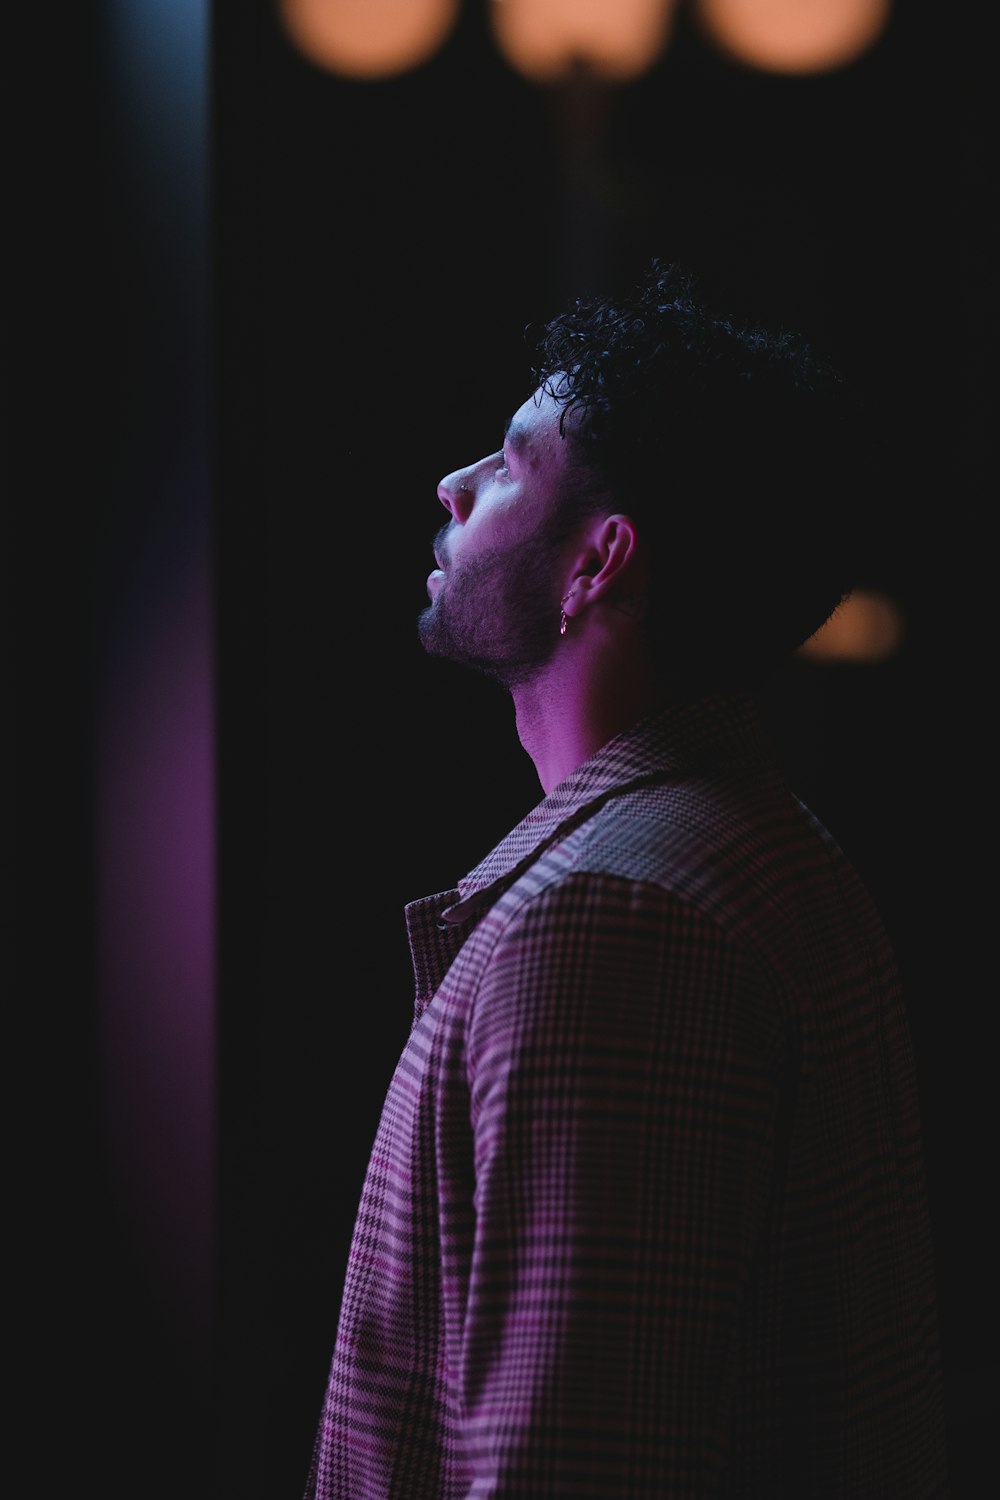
736 857
712 842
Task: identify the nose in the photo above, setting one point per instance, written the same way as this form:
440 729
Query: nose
455 494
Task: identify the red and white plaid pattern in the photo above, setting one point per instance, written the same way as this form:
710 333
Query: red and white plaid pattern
645 1216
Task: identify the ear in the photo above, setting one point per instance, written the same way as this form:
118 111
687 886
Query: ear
609 563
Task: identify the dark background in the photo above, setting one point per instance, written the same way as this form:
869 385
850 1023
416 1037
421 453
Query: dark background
319 301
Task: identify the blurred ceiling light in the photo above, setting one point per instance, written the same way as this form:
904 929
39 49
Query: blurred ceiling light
793 36
368 38
867 627
549 40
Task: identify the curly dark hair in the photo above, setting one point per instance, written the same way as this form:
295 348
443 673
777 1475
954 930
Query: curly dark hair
747 461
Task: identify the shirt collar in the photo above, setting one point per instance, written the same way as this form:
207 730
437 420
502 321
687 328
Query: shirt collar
670 743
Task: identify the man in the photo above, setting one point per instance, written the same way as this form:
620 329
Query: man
645 1215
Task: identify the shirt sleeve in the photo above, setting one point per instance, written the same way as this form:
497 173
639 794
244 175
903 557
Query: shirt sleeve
624 1061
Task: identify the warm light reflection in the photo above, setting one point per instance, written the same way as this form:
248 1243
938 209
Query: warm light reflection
867 627
368 38
614 39
793 36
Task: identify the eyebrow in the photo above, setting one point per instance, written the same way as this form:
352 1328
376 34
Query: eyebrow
517 437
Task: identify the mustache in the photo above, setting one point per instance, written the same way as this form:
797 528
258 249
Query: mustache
440 544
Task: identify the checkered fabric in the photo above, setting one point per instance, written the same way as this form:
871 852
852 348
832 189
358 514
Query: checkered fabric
645 1216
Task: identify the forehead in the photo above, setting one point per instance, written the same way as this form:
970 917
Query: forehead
533 433
534 429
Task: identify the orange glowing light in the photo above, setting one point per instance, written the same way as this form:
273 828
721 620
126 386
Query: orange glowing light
793 36
868 627
368 38
547 40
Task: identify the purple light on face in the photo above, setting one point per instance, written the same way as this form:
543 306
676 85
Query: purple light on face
156 942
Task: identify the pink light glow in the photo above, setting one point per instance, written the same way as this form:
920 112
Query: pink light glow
156 943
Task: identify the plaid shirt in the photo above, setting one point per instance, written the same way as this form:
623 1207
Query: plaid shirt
645 1215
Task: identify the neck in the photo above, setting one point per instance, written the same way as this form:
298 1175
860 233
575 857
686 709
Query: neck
582 700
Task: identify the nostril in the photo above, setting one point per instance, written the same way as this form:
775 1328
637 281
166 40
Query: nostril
462 504
456 496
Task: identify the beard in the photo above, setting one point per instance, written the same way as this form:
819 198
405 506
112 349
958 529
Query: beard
497 613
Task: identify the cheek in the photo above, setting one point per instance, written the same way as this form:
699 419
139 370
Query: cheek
503 519
516 522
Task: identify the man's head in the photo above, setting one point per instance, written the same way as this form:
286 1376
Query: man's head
741 465
495 594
